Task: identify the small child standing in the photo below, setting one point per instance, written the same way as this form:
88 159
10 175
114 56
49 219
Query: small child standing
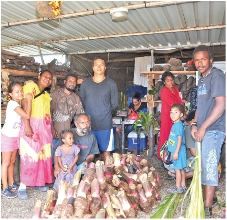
67 156
10 137
176 145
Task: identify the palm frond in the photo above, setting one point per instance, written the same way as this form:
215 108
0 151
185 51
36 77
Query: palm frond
167 209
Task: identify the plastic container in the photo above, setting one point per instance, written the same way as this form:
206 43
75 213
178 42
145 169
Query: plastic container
133 140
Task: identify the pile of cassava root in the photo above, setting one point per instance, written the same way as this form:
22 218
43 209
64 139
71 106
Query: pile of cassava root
120 188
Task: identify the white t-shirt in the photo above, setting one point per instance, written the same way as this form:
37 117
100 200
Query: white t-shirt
12 124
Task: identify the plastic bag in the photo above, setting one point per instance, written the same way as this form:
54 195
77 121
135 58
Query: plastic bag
133 116
166 155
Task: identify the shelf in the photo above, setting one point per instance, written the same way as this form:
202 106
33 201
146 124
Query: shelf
173 72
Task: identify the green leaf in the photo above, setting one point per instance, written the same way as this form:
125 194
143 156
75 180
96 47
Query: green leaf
168 208
146 120
195 208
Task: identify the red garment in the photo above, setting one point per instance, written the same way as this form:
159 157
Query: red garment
168 98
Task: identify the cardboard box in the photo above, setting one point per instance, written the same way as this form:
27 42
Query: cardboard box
133 140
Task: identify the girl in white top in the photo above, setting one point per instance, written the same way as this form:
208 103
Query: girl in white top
9 137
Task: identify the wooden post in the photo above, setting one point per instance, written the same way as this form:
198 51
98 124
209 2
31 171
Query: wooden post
152 58
54 83
166 58
40 53
5 76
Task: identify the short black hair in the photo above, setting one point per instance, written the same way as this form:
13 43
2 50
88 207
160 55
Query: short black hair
191 116
203 48
43 71
78 115
137 96
64 132
165 74
71 74
98 58
179 106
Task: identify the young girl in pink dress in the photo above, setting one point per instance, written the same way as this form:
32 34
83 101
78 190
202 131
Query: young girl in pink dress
10 137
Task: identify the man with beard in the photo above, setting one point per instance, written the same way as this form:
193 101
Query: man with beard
84 139
64 105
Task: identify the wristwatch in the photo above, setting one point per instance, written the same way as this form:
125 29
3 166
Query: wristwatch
194 123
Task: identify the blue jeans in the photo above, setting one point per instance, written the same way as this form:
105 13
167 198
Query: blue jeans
128 129
211 150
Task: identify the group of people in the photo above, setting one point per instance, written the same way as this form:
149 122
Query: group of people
206 126
38 126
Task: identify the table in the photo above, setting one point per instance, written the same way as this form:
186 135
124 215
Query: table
126 122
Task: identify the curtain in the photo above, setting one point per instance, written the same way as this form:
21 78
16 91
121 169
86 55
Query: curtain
141 65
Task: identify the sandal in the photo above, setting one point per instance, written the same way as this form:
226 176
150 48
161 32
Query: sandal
175 189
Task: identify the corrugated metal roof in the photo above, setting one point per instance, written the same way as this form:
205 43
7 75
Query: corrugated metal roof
150 25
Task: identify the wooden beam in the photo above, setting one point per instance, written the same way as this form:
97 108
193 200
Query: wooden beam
7 72
121 60
130 6
167 57
124 35
149 73
19 72
108 61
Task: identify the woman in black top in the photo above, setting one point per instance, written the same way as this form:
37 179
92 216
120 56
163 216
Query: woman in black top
135 106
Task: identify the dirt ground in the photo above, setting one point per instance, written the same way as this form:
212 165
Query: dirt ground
18 209
218 210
